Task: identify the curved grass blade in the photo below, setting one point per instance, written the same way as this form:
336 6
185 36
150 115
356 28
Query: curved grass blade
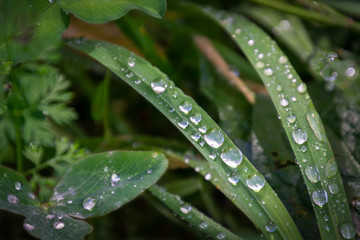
203 133
193 216
301 122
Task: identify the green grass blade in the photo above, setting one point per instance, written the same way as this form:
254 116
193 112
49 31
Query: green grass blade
193 216
301 122
202 132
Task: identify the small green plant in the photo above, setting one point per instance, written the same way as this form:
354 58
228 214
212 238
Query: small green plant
283 151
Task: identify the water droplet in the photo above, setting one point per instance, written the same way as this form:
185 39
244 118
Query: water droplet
18 186
284 102
299 136
232 157
238 31
279 88
330 168
301 88
203 129
129 73
186 208
59 225
331 56
333 188
312 173
137 81
31 195
89 203
259 65
208 176
220 235
268 71
271 227
12 199
114 179
313 119
131 61
196 118
347 230
233 179
195 136
183 123
291 118
283 60
185 107
106 169
28 227
212 155
320 197
251 42
203 225
214 138
256 182
158 85
350 72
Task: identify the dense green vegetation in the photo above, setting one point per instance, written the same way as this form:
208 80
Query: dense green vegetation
163 119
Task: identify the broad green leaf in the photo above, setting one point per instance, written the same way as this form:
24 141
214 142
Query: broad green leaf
306 134
201 130
193 216
95 11
41 221
101 183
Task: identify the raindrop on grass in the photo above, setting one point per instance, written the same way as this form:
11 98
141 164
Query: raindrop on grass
251 42
299 136
214 138
131 61
330 168
314 121
279 88
301 88
268 71
208 177
312 173
186 208
12 199
114 179
195 136
233 179
185 107
320 197
196 118
259 65
129 73
284 102
220 235
283 60
232 157
256 182
347 230
89 203
271 227
333 188
18 186
291 118
183 123
350 72
203 225
159 85
212 155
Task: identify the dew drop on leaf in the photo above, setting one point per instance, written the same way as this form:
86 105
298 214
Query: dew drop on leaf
18 186
283 60
28 227
195 118
220 235
131 61
256 182
158 85
203 225
186 208
271 227
114 179
284 102
195 136
268 72
12 199
208 176
214 138
212 155
330 168
347 230
314 121
59 225
232 157
333 188
301 88
291 118
233 179
320 197
183 123
89 203
279 88
185 107
312 173
299 136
